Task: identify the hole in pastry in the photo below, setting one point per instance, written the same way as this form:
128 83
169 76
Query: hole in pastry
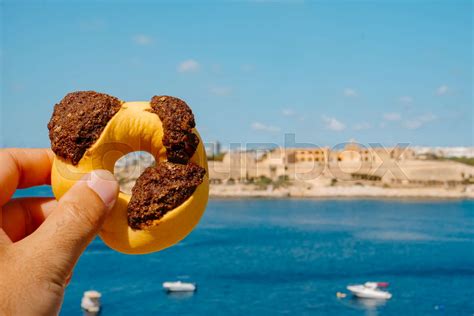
129 167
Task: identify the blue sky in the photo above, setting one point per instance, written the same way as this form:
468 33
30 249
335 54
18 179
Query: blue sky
328 72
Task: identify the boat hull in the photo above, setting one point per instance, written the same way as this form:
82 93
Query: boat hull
363 292
179 287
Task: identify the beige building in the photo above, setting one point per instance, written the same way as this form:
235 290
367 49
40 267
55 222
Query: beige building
391 166
354 153
420 173
319 155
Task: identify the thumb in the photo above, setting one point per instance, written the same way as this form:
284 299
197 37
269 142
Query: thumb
77 219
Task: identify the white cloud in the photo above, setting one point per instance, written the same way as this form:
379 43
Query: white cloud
350 92
265 128
247 67
428 117
362 126
413 124
142 39
392 116
442 90
419 121
406 99
220 91
189 65
287 112
333 124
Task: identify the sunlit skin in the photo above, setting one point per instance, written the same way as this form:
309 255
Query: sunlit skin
41 239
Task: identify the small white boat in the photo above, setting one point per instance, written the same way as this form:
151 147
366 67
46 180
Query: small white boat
91 301
369 290
179 286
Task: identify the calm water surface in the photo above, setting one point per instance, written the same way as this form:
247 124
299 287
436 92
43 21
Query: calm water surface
266 257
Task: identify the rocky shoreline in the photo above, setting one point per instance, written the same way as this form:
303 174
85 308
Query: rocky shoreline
330 192
246 191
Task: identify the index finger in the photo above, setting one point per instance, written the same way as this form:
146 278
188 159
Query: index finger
23 168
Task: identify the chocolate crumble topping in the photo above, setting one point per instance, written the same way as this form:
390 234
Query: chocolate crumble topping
77 122
160 189
178 121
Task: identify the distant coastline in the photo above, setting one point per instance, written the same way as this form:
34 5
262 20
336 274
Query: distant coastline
341 198
301 190
348 192
351 173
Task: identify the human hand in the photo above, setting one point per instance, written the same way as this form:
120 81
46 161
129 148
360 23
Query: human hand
41 239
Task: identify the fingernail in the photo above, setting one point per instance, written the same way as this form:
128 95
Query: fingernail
105 185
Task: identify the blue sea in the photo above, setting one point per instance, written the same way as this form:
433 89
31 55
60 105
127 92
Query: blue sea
271 257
